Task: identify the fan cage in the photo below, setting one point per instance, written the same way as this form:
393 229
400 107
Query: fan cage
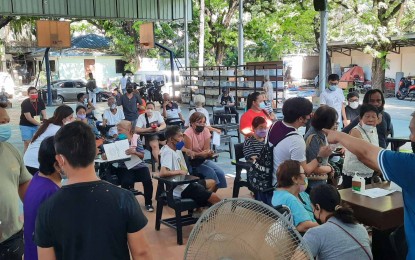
240 228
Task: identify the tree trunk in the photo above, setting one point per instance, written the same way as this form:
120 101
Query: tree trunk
220 53
378 73
202 33
328 64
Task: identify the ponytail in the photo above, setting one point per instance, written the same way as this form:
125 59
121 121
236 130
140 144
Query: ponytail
42 128
345 214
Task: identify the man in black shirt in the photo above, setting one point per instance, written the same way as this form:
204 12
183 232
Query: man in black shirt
30 118
228 102
129 102
353 108
88 218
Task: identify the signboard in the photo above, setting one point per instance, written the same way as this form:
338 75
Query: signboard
54 34
147 35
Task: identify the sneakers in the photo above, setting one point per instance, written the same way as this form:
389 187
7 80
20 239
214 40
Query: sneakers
149 208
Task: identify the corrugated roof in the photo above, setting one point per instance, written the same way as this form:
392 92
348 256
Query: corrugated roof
90 41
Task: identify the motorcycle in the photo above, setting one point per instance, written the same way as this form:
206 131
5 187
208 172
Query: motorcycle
406 89
154 91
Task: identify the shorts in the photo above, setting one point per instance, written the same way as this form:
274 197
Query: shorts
198 192
151 137
28 132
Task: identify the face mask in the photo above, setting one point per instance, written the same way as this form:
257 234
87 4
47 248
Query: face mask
122 136
368 128
262 105
333 87
129 90
86 101
5 132
317 218
304 186
179 145
33 96
354 104
81 116
261 133
63 175
67 122
113 106
199 128
149 110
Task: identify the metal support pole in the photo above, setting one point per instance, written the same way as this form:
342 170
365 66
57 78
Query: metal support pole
171 54
241 34
323 50
47 65
186 36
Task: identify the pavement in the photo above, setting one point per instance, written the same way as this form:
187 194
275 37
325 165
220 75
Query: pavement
400 111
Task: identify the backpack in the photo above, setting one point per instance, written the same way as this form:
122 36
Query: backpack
260 173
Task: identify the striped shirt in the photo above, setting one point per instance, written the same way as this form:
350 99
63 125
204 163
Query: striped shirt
252 147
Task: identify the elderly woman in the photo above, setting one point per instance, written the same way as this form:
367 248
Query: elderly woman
199 101
197 141
339 236
324 117
290 191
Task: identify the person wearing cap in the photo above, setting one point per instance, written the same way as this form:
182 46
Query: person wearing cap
228 101
339 235
352 108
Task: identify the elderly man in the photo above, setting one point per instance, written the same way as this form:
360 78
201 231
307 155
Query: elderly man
14 180
171 111
395 166
112 115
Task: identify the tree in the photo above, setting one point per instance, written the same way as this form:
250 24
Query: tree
371 23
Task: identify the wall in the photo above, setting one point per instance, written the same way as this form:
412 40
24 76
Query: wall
396 62
73 68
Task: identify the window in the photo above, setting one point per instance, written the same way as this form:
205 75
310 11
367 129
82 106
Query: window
67 84
119 66
52 65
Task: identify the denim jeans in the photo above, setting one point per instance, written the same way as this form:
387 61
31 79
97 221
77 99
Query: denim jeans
210 170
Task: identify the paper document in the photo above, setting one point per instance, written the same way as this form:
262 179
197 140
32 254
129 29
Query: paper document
216 139
394 186
376 192
133 162
116 151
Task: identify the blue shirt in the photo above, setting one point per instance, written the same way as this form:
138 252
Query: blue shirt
400 168
298 209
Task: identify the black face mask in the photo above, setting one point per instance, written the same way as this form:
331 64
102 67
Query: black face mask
318 220
129 90
199 128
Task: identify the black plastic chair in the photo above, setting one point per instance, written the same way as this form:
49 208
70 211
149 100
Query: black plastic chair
164 196
398 242
239 165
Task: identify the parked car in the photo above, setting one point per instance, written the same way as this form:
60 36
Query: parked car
7 84
67 90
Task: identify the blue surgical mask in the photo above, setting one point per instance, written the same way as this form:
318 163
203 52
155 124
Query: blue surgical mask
122 136
5 132
179 145
333 87
262 105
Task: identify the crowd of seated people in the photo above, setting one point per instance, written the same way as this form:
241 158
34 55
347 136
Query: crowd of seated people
315 206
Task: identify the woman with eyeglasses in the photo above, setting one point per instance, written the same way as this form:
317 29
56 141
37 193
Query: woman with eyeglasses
197 146
291 186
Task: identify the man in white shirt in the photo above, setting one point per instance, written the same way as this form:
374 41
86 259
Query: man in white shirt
171 111
333 97
123 83
112 115
150 124
173 164
289 144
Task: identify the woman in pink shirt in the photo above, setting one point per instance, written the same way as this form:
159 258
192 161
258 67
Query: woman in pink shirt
197 140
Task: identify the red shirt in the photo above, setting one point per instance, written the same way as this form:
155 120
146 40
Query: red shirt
245 126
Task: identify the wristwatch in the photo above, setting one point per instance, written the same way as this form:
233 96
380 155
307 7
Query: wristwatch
319 160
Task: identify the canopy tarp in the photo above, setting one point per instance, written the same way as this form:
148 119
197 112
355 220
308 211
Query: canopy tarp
354 73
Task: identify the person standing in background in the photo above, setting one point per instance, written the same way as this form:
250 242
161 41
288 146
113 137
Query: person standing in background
123 83
33 112
91 87
129 102
269 91
333 97
353 108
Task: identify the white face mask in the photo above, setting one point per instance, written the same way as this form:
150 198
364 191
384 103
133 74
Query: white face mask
113 106
368 128
354 104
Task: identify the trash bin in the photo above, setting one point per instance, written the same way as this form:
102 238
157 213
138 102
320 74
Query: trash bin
44 95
